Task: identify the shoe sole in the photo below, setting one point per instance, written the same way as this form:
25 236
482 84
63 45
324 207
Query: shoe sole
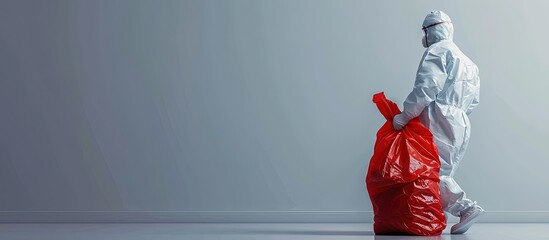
463 228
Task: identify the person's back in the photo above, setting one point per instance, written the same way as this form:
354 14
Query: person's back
462 85
446 90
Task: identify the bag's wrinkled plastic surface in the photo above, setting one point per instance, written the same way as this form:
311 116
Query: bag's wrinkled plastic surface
403 177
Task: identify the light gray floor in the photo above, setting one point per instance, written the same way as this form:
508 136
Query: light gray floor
183 231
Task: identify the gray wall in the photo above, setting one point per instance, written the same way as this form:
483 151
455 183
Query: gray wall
238 107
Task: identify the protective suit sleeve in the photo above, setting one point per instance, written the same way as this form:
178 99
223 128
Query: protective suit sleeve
430 78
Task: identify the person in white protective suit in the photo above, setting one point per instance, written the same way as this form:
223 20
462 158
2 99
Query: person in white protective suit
446 90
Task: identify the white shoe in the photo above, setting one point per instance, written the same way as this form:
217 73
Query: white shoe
467 219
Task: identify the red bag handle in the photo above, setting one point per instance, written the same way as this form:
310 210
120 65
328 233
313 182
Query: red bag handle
387 107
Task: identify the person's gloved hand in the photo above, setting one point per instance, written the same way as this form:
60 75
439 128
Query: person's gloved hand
400 120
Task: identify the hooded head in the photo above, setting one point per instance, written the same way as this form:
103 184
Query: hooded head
437 26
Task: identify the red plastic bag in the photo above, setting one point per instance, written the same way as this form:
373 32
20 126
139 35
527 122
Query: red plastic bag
402 178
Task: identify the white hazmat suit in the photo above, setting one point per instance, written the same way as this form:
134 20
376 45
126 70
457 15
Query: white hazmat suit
446 90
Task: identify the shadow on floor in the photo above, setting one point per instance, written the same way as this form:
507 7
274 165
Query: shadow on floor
313 232
341 233
299 232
